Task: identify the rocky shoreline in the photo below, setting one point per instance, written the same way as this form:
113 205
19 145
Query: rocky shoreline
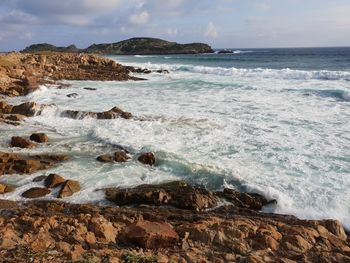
169 222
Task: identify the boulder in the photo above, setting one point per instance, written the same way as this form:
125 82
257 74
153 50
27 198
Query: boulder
15 117
17 141
105 158
39 137
113 113
147 158
5 188
72 95
150 235
244 200
121 156
5 107
27 109
53 180
69 187
177 193
36 192
39 178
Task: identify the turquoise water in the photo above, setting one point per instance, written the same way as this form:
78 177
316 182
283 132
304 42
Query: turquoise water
272 121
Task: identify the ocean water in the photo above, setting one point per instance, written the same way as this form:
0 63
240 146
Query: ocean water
271 121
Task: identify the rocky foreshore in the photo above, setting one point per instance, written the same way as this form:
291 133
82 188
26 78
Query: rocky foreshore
170 222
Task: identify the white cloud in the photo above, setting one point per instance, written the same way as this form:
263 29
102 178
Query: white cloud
211 31
139 19
172 31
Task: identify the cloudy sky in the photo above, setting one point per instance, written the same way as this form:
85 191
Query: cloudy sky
221 23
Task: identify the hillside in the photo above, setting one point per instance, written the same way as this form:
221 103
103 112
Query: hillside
133 46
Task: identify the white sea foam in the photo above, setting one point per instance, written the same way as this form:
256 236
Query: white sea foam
253 72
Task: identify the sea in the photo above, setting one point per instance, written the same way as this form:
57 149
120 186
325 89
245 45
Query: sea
269 121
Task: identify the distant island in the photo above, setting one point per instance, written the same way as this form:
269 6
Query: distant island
132 46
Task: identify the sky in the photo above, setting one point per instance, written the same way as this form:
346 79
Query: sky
220 23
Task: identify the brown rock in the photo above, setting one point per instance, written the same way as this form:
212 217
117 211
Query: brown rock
15 117
27 109
121 157
5 107
17 141
177 193
36 192
27 166
39 137
105 158
4 188
110 114
53 180
336 228
39 178
151 235
69 187
103 229
147 158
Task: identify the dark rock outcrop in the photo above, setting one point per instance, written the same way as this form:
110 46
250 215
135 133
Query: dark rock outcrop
147 158
178 194
105 158
17 141
36 192
53 180
39 137
121 157
113 113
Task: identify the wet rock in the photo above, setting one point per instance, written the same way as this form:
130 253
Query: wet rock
14 163
27 109
5 107
178 194
87 88
147 158
244 200
53 180
39 137
5 188
39 178
15 117
105 158
72 95
36 192
121 156
69 187
113 113
336 228
151 235
17 141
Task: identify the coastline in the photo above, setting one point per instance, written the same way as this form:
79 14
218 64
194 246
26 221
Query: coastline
224 234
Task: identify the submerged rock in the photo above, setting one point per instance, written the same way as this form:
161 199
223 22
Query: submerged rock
147 158
105 158
36 192
72 95
178 194
69 187
39 137
17 141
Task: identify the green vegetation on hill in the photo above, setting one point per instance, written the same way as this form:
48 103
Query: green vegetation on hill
133 46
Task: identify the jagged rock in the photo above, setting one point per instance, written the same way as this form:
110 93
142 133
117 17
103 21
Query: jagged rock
36 192
14 163
39 137
5 188
121 156
17 141
69 187
244 200
111 114
147 158
53 180
150 235
27 109
178 194
105 158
